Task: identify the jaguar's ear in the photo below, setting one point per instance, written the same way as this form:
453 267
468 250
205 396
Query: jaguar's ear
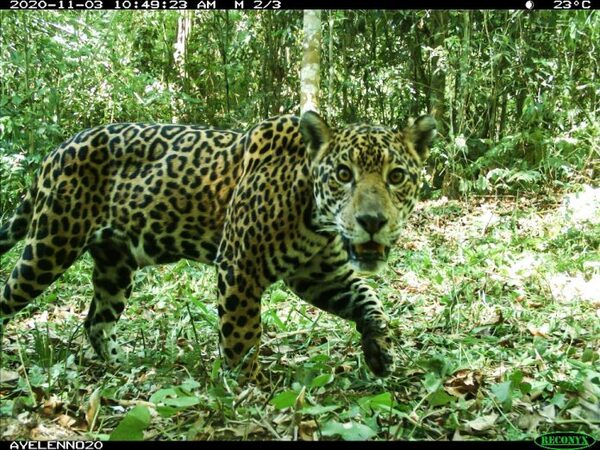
420 133
315 131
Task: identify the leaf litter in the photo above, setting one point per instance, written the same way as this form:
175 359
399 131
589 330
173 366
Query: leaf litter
492 302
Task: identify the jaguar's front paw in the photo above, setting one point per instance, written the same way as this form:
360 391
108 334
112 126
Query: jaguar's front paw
107 349
378 352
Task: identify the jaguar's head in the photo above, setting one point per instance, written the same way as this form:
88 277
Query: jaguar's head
366 180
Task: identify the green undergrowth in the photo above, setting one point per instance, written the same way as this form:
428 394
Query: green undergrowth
494 303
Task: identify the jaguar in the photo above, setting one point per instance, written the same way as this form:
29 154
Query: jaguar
290 199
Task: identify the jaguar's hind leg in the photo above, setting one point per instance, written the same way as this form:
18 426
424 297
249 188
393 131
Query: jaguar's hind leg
16 227
41 262
113 277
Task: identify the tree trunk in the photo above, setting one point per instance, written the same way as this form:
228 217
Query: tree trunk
437 85
461 79
419 78
225 62
311 59
331 69
223 49
184 28
502 117
347 112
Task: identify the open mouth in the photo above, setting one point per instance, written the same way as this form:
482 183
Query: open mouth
368 255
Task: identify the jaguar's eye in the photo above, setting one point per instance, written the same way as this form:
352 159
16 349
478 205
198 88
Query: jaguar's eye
396 176
344 174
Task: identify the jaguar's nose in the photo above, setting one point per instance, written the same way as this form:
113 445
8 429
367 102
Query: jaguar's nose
372 223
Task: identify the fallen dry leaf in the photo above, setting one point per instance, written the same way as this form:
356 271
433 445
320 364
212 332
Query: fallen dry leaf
11 429
8 376
250 428
306 430
529 422
244 395
343 368
539 331
45 431
66 421
549 412
464 382
482 423
457 436
93 408
282 418
535 305
491 316
51 406
27 419
145 375
499 372
299 403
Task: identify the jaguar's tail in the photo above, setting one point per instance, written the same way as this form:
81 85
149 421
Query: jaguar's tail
17 226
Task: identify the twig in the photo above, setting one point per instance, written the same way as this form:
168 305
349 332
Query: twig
504 415
582 420
288 334
136 403
567 421
187 305
267 425
26 376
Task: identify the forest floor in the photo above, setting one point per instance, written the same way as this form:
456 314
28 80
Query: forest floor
495 303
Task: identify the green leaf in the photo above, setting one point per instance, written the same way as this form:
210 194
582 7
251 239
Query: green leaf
516 377
275 318
559 400
381 401
218 392
439 397
319 358
132 425
175 397
349 431
318 409
190 384
432 382
278 296
589 355
181 402
503 393
525 387
161 394
214 373
6 407
167 411
109 393
321 380
285 399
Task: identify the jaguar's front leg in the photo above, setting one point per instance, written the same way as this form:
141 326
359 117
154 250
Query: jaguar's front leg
344 294
239 321
377 344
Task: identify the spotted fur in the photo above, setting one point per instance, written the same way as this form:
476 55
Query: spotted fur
289 199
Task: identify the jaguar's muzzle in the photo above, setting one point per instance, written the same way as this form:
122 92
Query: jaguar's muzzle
368 256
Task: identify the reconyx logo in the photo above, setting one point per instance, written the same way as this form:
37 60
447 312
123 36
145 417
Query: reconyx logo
567 440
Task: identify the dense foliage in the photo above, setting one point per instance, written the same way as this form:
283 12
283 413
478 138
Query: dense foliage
516 93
